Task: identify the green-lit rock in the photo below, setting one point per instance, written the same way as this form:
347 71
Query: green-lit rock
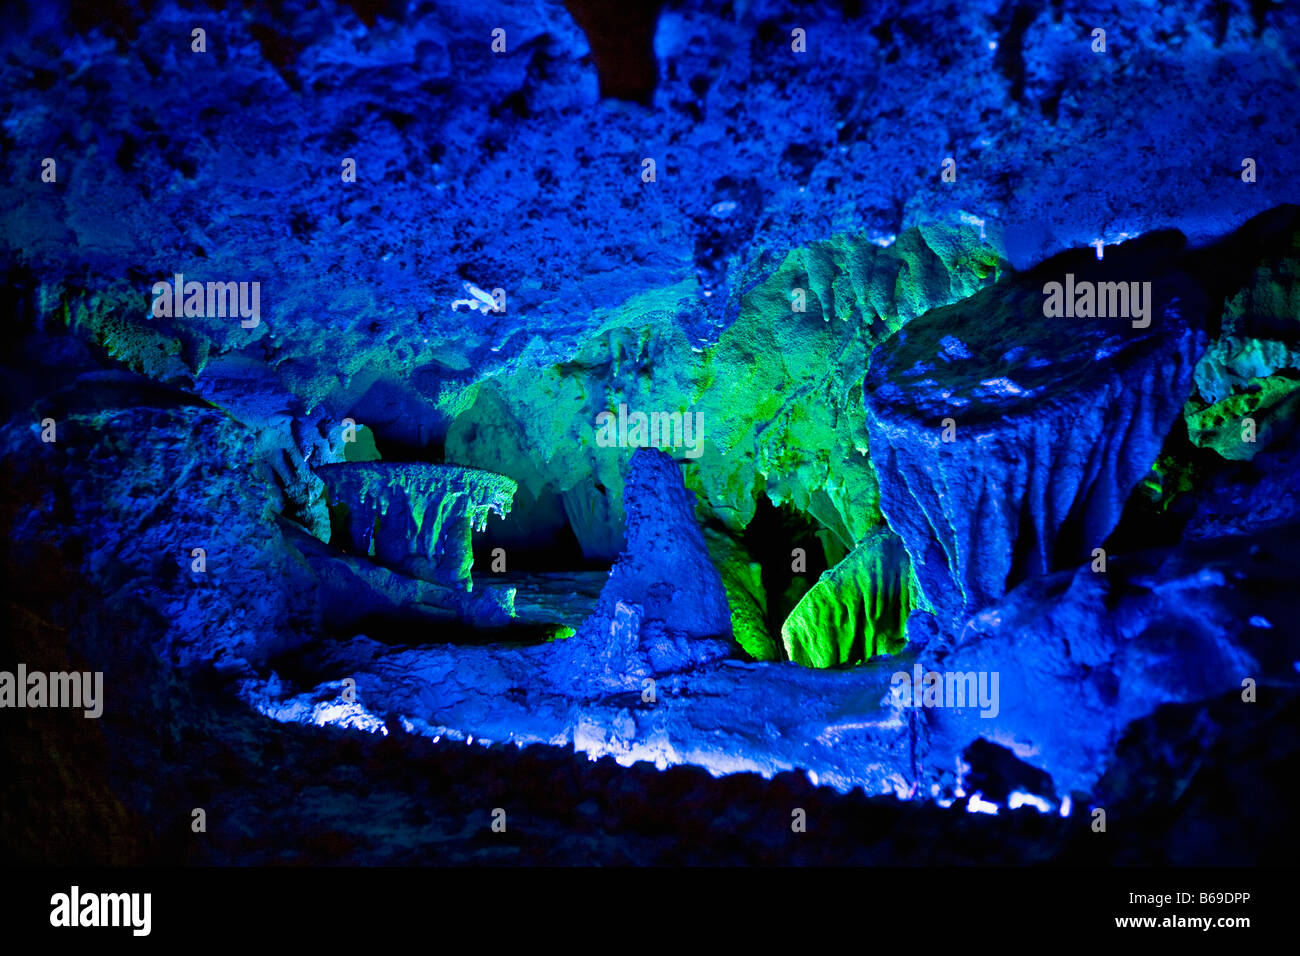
1169 477
857 609
1241 424
743 580
779 395
418 518
1251 369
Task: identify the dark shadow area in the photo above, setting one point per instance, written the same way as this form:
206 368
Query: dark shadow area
535 536
415 630
621 36
770 538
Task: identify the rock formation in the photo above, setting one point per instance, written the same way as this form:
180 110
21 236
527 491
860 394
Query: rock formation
418 518
1006 442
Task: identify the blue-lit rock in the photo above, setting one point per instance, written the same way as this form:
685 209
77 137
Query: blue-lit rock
509 171
664 607
665 566
1079 654
1007 442
351 591
162 533
305 672
1070 660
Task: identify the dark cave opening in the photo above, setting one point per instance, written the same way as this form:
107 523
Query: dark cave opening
1158 509
771 538
395 448
536 536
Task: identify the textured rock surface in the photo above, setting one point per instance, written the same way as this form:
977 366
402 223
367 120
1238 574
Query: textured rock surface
665 567
1248 496
746 597
778 173
1252 368
1186 624
1053 421
440 125
1161 627
778 396
353 591
664 606
1238 426
419 518
154 466
857 609
583 249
